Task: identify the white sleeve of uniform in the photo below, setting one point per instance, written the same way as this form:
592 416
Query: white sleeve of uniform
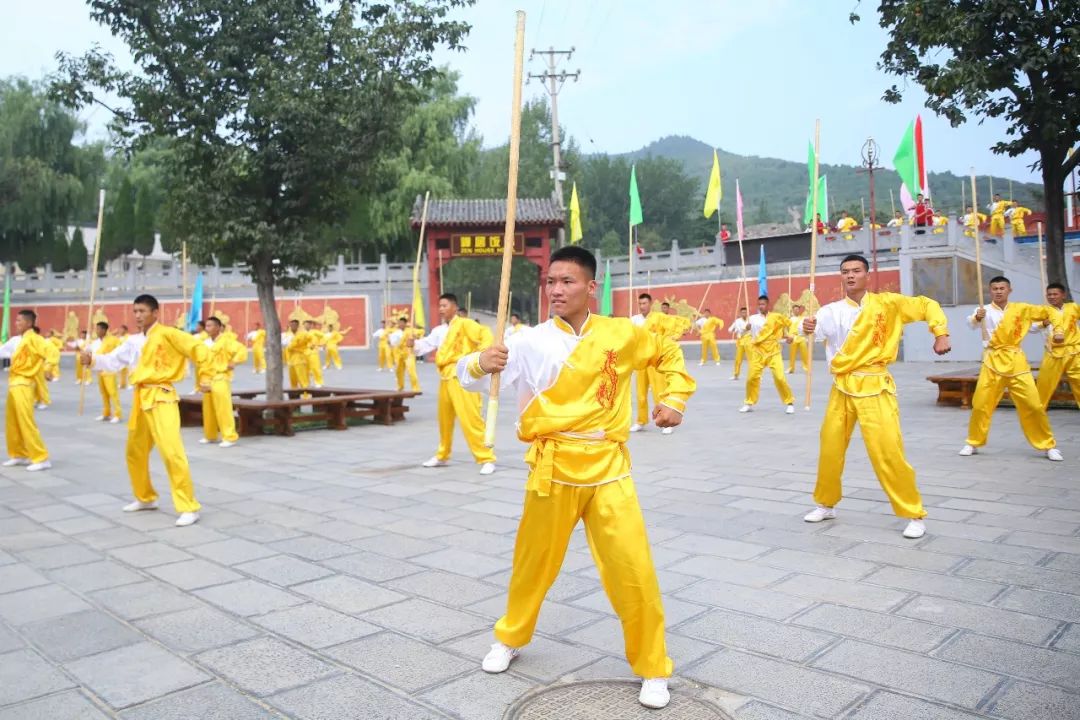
124 356
432 341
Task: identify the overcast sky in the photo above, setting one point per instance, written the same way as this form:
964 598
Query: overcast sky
748 77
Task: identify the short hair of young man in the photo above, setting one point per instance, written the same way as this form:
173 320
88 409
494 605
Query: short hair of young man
577 255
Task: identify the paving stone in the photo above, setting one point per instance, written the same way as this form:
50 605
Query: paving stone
805 541
95 576
315 626
264 665
284 570
401 547
24 675
766 603
149 554
1053 667
342 697
787 685
1036 602
447 588
709 545
888 555
935 584
211 701
192 631
1069 640
479 696
142 599
908 672
756 634
981 618
30 540
989 551
189 536
348 594
59 556
134 674
9 640
193 574
606 635
426 621
1044 541
232 551
39 603
372 566
1026 701
313 548
1033 577
249 597
69 705
875 627
831 566
402 662
20 577
1064 561
111 538
889 706
760 711
264 532
867 597
462 562
751 573
79 634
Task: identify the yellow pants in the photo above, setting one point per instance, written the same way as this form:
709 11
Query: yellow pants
217 412
122 378
333 356
80 370
1050 373
647 379
159 427
23 436
110 396
315 369
454 402
615 529
298 375
258 359
403 365
708 347
41 389
997 225
52 372
879 422
384 356
1025 397
753 380
799 349
740 355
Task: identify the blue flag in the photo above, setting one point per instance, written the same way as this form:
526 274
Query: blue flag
762 276
195 312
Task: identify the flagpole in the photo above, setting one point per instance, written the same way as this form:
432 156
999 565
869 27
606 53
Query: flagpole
630 287
892 202
1042 265
183 283
789 282
742 256
511 219
93 291
813 258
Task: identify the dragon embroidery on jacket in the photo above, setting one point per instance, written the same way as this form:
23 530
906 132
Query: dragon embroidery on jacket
609 383
880 329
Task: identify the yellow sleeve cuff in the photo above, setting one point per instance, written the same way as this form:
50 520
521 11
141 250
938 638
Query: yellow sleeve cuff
474 368
939 330
675 402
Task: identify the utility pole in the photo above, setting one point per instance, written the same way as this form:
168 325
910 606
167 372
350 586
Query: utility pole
871 154
555 81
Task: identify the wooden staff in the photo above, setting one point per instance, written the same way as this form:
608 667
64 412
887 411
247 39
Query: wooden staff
511 223
468 303
813 256
704 298
789 282
183 283
978 248
93 291
892 201
630 286
419 256
1042 264
540 304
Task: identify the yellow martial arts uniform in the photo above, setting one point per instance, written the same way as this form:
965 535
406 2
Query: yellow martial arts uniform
81 371
333 339
52 369
160 361
405 360
997 217
799 347
122 376
579 469
27 353
451 342
765 353
861 342
215 381
846 224
1016 219
1004 365
1061 360
383 336
41 381
660 325
110 395
314 358
258 350
708 329
740 329
296 358
974 220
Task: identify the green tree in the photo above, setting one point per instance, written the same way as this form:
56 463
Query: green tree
58 251
77 257
277 112
144 222
998 59
123 219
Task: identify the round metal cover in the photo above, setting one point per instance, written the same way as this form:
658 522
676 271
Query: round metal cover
606 700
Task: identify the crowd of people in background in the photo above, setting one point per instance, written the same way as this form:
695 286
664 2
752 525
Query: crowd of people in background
1000 214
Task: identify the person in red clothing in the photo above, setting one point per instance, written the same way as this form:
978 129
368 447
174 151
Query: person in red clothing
924 213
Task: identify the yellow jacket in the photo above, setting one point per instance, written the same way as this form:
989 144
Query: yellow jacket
1064 321
710 327
221 353
795 329
846 224
767 341
108 344
333 339
1003 354
297 349
28 359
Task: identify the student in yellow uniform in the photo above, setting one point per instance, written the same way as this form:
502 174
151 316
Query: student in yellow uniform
53 372
382 342
862 335
644 378
973 219
997 215
666 324
215 381
200 335
42 398
333 339
295 346
314 359
1016 219
1004 325
257 339
122 376
82 375
897 220
450 341
768 329
708 325
1062 355
404 359
27 352
158 355
846 223
740 330
799 348
515 325
571 376
103 344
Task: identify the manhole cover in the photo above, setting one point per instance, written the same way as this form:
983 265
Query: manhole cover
606 700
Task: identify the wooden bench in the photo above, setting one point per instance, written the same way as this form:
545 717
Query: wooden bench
958 387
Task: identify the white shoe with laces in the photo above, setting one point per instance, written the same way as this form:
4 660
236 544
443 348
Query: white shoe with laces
746 408
636 427
12 462
499 658
654 693
140 505
101 418
733 377
487 468
205 441
226 443
186 519
667 431
434 462
790 410
43 465
915 529
1054 454
115 421
41 406
967 450
820 513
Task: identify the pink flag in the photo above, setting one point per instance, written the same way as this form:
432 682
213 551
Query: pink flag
738 210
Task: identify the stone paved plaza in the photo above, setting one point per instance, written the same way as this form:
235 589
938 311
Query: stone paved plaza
333 578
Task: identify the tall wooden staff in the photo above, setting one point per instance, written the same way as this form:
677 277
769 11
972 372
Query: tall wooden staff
813 255
511 222
1042 264
419 256
183 283
93 289
978 247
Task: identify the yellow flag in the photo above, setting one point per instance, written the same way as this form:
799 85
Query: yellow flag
575 217
715 192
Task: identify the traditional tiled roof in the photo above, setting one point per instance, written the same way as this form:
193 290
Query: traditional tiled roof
473 213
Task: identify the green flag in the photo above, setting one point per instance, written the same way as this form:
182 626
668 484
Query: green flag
635 199
5 329
906 161
605 294
822 201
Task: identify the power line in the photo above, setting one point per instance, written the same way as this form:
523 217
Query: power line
554 82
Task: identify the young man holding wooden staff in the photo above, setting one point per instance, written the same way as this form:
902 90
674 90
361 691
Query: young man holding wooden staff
214 378
572 376
159 356
862 336
27 352
767 328
1061 358
103 344
740 331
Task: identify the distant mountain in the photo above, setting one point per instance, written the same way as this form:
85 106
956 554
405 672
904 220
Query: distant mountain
771 186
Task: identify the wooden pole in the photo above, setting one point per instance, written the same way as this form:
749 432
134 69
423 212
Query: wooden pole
1042 264
862 206
813 258
419 256
441 285
963 199
978 248
468 303
511 223
630 285
93 290
742 256
892 202
183 282
789 283
539 304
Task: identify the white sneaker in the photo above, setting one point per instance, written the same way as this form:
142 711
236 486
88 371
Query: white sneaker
12 462
1054 454
115 420
746 408
487 468
41 406
790 410
186 519
654 693
733 377
701 363
967 450
204 441
790 372
140 505
820 513
434 462
915 529
636 427
667 431
43 465
101 418
499 658
226 443
718 363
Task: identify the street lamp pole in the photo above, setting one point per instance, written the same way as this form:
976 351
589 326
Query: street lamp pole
871 154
